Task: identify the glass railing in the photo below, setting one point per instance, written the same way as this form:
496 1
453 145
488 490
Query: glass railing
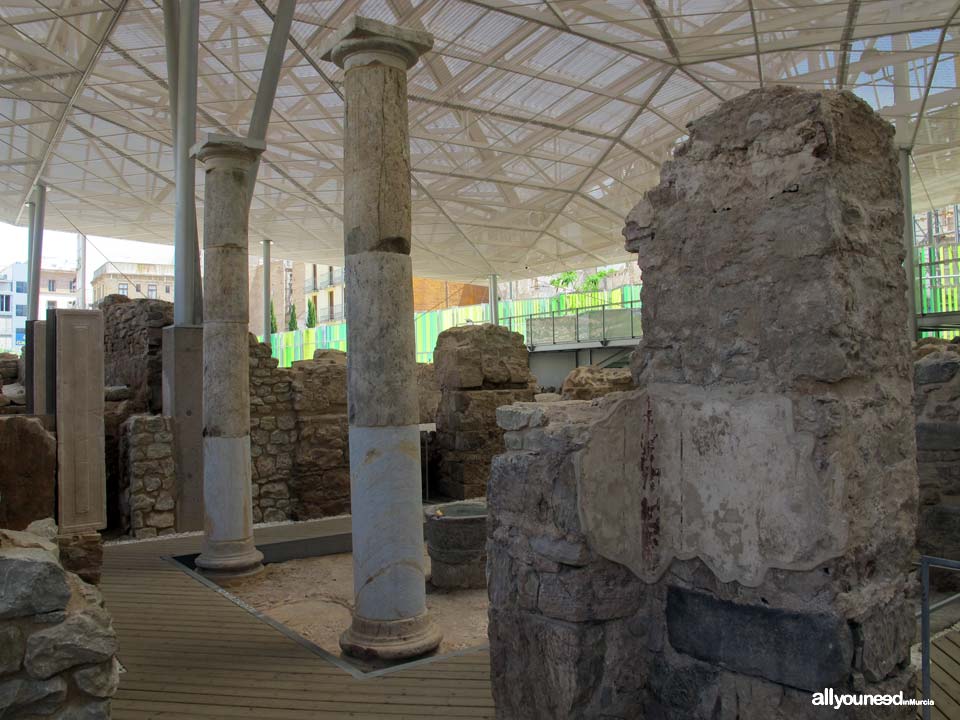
592 324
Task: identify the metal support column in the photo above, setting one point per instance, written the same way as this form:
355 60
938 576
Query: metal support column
36 253
908 242
81 271
187 308
267 329
493 297
267 89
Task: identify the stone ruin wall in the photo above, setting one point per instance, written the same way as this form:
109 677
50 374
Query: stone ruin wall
132 355
478 368
738 532
937 408
147 476
57 643
298 435
298 447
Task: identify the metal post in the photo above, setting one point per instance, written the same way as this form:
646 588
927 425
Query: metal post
31 226
171 22
493 297
81 271
267 89
36 256
925 632
267 329
908 241
186 252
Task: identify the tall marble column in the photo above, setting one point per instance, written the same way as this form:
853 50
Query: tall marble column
228 548
389 618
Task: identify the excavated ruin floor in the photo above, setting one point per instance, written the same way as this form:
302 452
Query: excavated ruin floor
313 597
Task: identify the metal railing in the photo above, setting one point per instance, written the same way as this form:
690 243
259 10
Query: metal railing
927 562
591 324
325 280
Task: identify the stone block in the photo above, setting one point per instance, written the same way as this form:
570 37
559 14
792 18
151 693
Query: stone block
81 639
589 382
28 462
82 555
806 650
33 583
481 356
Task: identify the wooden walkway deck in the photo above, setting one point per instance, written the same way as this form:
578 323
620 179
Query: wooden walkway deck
191 653
945 677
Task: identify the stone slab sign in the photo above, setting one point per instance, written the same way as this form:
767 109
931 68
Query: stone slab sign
77 352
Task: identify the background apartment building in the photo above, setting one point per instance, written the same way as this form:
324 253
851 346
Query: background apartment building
58 289
324 286
136 280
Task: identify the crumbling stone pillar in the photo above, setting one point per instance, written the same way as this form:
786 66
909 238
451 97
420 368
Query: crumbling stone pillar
479 368
737 534
389 617
228 548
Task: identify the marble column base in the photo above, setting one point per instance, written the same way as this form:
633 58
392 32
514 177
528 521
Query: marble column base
229 559
390 639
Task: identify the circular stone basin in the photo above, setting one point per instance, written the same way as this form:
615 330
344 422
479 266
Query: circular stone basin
456 536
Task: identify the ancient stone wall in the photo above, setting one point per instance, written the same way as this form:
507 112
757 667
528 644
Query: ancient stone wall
57 643
148 476
298 436
937 407
132 343
590 383
738 534
479 368
133 374
428 392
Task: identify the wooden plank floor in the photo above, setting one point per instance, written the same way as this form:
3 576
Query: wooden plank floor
191 653
945 677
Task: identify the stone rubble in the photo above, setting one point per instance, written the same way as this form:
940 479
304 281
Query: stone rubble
479 368
738 533
57 643
589 382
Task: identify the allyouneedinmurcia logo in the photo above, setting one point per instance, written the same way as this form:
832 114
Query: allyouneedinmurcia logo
830 698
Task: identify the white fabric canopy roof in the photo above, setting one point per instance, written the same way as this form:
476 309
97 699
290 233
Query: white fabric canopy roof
535 126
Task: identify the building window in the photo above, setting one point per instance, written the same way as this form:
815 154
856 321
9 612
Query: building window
167 289
51 304
73 286
21 287
21 310
4 303
137 287
123 289
152 291
51 285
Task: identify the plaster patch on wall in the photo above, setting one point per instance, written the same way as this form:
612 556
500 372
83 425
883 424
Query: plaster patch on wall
715 475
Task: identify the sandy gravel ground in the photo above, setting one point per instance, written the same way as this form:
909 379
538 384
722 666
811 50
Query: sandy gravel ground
314 597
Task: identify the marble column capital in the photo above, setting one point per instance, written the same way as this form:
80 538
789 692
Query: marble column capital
361 41
227 151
